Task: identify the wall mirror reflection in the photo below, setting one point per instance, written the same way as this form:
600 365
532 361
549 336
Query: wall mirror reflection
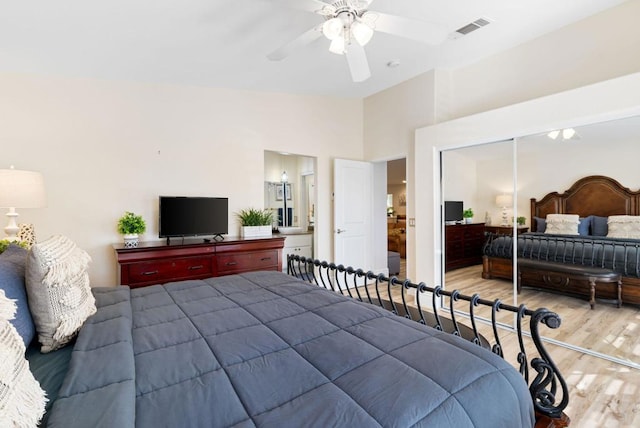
290 193
575 254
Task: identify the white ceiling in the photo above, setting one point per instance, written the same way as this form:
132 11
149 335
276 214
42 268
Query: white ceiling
608 134
224 43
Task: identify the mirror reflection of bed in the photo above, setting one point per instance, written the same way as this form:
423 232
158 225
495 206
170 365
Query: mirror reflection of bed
544 166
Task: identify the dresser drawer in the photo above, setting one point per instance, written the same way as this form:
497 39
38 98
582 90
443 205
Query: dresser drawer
230 263
181 268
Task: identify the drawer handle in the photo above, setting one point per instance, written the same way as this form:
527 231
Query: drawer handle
195 267
265 259
231 263
153 272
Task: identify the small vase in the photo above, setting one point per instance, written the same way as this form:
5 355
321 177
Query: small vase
468 220
130 240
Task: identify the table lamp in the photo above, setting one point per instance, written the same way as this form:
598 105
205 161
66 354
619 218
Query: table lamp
504 201
19 189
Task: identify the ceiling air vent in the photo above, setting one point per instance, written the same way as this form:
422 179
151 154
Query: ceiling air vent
470 27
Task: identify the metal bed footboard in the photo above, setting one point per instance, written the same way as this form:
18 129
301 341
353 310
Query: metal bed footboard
622 256
548 388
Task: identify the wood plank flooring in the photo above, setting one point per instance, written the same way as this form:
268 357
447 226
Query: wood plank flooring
602 393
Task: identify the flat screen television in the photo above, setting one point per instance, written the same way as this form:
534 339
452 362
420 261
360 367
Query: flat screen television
193 216
453 211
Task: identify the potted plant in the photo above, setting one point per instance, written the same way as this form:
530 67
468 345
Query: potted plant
254 222
130 225
521 221
467 215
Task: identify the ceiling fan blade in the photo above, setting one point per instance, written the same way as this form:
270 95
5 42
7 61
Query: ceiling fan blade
306 5
358 64
300 41
425 32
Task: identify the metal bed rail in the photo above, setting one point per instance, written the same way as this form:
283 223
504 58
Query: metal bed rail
548 388
622 256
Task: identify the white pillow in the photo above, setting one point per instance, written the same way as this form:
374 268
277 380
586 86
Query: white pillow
562 224
623 226
60 298
22 400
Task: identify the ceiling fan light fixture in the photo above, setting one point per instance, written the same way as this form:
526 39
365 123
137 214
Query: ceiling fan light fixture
568 133
332 28
553 134
361 32
337 46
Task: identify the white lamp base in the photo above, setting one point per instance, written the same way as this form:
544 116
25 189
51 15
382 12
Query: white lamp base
505 222
12 228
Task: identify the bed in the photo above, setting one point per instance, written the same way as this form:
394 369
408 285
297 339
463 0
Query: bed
596 200
268 349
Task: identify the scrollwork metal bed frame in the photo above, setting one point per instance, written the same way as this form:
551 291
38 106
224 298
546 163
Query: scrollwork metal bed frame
548 388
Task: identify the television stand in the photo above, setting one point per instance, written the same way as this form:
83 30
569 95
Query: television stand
156 263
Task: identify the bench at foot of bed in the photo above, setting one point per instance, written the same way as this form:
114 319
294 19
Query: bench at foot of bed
575 279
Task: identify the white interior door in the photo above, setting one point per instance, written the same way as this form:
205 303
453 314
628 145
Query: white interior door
353 213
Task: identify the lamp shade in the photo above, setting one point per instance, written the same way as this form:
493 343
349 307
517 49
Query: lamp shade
361 32
21 189
332 29
504 200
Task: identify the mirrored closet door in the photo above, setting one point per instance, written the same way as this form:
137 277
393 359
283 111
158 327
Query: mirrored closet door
508 185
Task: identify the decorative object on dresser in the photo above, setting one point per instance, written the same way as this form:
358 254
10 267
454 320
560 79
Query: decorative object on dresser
130 226
255 223
467 215
20 189
157 262
463 245
595 200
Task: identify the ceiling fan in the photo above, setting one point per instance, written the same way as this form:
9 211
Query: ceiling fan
349 25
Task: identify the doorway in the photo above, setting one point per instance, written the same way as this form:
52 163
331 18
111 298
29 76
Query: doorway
397 217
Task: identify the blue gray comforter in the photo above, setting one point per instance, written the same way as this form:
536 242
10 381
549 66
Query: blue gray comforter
264 349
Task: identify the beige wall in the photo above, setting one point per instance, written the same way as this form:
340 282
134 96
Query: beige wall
106 147
390 120
601 47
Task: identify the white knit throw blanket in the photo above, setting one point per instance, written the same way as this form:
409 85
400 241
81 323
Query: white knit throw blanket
22 401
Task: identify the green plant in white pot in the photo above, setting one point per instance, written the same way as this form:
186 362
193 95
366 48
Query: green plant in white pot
130 226
468 215
254 222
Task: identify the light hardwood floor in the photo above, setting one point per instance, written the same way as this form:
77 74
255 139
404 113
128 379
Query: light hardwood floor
602 393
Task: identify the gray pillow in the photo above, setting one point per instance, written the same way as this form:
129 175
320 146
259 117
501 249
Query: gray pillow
599 226
585 226
60 298
541 224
